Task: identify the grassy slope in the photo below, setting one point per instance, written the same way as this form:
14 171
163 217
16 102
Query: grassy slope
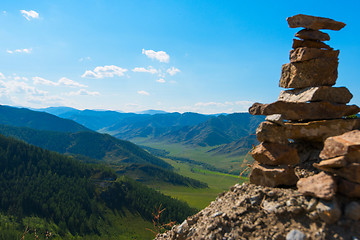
233 164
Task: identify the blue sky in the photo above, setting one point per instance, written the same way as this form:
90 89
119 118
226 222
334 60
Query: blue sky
200 56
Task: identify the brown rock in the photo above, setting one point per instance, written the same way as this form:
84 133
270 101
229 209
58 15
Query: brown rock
309 44
341 145
320 185
275 154
315 23
272 176
304 53
309 34
350 172
304 111
339 95
314 131
311 73
348 188
336 162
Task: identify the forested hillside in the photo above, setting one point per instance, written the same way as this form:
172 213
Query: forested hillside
90 144
23 117
72 195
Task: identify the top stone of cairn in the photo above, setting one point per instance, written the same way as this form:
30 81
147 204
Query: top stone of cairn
315 23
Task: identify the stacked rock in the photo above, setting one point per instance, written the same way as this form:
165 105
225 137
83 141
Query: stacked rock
341 157
311 111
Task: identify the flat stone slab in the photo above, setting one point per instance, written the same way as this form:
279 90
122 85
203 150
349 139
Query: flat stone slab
275 118
350 172
275 154
341 145
304 54
310 44
336 162
314 131
311 73
348 188
340 95
315 23
309 34
321 185
271 176
304 111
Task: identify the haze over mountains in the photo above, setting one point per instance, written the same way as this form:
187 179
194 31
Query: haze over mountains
187 128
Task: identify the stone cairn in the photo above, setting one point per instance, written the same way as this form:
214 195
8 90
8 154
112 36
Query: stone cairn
310 112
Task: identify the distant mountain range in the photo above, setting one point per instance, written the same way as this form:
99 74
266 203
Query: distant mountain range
186 128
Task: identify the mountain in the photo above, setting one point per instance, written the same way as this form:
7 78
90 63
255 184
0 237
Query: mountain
23 117
50 192
153 126
219 130
237 148
93 119
90 144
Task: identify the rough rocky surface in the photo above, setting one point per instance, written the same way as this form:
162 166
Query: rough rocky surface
341 145
272 176
348 188
304 111
315 23
309 44
275 118
316 131
305 53
311 73
255 212
321 185
309 34
275 154
340 95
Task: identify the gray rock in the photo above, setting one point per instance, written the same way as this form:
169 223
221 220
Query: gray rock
275 118
295 235
315 23
182 228
329 212
271 206
340 95
352 211
304 111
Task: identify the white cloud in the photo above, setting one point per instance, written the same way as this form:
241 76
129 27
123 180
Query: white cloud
2 76
142 92
29 14
83 92
62 81
24 50
105 71
69 82
43 81
150 69
161 80
172 71
161 56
